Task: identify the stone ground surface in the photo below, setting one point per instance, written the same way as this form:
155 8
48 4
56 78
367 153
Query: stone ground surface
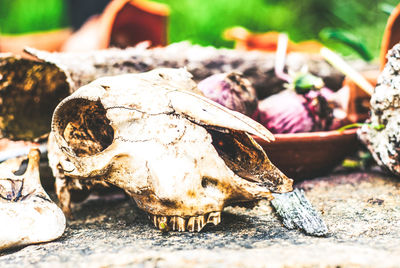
361 209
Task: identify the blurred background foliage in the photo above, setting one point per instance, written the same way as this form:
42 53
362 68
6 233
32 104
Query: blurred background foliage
333 22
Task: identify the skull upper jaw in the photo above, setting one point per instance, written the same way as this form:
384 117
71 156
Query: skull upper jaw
192 215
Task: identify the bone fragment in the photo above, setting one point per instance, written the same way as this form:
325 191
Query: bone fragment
19 152
297 212
27 214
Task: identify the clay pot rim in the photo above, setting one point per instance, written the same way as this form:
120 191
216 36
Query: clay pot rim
313 136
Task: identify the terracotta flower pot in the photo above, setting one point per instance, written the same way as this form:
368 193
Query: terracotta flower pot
307 155
123 23
310 154
391 35
359 101
49 40
266 41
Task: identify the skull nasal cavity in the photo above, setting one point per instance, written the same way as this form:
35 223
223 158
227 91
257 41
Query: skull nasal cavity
208 182
85 126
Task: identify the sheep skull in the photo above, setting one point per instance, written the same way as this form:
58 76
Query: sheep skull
181 157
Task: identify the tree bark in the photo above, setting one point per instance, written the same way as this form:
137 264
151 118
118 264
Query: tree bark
202 62
382 134
41 84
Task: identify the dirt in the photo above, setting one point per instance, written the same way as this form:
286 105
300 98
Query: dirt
361 209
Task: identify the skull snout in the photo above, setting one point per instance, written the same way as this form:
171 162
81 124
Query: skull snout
286 186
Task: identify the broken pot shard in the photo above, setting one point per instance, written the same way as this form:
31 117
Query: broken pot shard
27 214
181 156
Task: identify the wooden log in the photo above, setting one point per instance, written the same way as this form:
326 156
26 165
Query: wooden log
29 92
63 73
202 62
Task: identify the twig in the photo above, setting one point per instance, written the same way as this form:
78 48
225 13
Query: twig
280 58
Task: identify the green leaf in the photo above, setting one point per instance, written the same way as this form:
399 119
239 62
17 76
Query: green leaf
348 39
356 125
386 8
304 82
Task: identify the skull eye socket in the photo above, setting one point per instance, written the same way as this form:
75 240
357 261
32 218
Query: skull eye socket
84 126
240 154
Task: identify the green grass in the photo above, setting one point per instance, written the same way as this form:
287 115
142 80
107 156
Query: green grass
21 16
203 21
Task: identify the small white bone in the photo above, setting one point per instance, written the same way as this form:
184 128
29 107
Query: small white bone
27 214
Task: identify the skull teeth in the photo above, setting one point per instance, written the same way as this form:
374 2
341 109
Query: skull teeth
177 223
214 217
196 223
180 224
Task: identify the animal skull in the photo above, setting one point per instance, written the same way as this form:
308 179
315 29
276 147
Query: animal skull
181 157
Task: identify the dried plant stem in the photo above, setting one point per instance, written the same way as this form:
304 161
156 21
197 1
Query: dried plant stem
347 70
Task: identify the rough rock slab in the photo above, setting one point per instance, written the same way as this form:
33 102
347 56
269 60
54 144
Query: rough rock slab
362 211
297 212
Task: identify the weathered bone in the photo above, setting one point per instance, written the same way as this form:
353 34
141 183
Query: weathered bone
181 157
27 214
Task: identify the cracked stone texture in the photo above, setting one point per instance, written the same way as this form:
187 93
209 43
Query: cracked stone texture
361 209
